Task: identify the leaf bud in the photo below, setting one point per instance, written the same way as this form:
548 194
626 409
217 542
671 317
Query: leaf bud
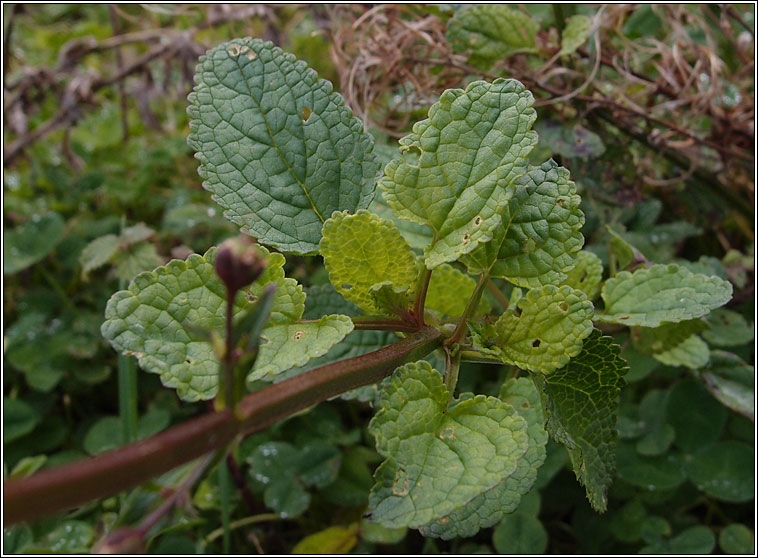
239 262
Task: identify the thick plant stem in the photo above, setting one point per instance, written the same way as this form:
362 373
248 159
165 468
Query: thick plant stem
381 323
72 485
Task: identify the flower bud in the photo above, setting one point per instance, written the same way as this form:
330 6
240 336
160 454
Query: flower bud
239 263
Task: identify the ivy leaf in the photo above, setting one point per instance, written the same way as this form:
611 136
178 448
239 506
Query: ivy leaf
28 244
549 330
580 401
277 148
574 34
363 250
438 456
155 317
539 236
490 506
459 165
661 293
491 32
449 291
586 275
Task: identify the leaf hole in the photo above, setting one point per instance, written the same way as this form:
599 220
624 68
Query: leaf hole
465 239
525 405
561 202
264 340
298 335
477 220
536 343
583 277
250 297
188 361
306 113
234 50
346 286
564 306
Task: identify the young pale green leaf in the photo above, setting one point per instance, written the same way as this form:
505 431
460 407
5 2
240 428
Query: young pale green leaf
491 32
574 34
661 293
580 401
449 291
438 457
362 251
549 330
538 238
490 506
692 352
277 148
28 244
587 274
155 317
459 165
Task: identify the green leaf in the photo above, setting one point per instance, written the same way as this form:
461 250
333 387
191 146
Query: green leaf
574 34
136 259
653 473
277 148
569 139
625 253
695 540
724 470
286 497
728 328
580 402
98 253
332 540
490 506
734 395
520 533
363 250
459 165
70 537
696 416
659 294
27 466
150 320
19 418
693 353
103 435
319 464
417 236
549 330
28 244
586 275
438 457
449 291
17 538
538 238
491 32
375 533
736 538
652 340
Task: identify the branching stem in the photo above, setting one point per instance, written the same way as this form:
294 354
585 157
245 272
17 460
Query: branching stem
423 288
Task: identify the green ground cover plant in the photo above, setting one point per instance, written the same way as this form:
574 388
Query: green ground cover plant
478 339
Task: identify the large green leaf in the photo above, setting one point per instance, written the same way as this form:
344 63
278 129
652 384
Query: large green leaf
538 238
459 165
547 330
490 506
438 456
659 294
28 244
491 32
277 148
580 401
155 319
362 251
